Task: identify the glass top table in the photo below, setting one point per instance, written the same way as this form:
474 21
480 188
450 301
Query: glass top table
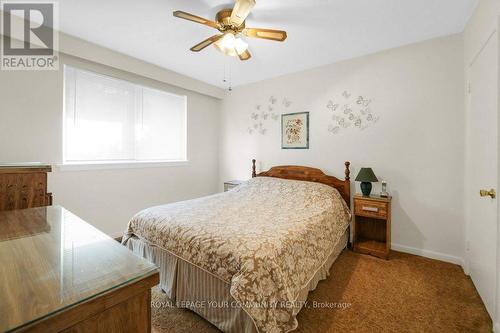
51 260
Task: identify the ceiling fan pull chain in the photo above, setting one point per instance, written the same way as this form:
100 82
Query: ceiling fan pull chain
227 73
230 76
224 78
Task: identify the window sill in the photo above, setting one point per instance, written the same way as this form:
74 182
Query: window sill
82 166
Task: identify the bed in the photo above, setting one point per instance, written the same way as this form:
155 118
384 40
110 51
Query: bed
246 259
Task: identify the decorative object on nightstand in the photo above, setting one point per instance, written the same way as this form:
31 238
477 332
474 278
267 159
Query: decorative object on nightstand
384 193
231 184
366 177
372 225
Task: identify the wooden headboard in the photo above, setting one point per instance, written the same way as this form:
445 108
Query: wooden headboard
310 175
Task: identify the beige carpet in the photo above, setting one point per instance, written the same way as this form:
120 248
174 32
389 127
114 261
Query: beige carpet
405 294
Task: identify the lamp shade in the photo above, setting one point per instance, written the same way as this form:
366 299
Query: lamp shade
366 175
231 45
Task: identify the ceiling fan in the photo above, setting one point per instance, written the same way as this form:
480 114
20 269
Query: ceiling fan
231 24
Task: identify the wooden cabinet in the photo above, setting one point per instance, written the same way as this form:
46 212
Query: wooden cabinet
372 225
64 275
24 186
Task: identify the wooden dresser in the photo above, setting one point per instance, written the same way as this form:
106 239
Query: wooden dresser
60 274
24 186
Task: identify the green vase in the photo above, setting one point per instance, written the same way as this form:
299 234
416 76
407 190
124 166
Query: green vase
366 188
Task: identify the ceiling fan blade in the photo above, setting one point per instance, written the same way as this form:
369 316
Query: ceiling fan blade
245 55
194 18
240 11
277 35
207 42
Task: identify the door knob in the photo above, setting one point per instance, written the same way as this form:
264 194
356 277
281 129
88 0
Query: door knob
491 193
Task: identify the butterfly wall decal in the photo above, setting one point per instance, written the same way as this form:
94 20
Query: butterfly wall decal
270 110
346 95
333 129
332 106
362 101
354 112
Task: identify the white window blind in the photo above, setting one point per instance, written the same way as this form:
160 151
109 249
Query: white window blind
111 120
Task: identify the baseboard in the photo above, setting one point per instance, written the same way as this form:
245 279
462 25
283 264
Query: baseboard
496 328
466 266
429 254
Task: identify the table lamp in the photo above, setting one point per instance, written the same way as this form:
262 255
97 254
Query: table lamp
366 177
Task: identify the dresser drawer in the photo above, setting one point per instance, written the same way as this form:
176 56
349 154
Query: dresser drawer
23 186
370 208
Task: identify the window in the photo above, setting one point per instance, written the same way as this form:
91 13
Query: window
107 120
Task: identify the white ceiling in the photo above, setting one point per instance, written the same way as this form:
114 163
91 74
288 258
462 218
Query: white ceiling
319 31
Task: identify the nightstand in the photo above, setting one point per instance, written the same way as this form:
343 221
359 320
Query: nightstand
231 184
372 225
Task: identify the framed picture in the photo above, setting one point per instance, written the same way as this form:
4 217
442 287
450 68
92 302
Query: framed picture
295 130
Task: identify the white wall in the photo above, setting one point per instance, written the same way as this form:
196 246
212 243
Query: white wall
417 145
80 48
481 26
31 130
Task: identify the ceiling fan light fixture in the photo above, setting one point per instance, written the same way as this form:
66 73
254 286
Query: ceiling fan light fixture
240 46
231 45
230 23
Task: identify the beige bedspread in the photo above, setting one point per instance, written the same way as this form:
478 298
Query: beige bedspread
266 238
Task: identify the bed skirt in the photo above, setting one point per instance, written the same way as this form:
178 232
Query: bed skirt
194 288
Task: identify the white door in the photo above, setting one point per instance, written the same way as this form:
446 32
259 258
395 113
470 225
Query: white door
481 171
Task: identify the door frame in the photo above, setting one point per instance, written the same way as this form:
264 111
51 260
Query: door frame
496 319
493 34
468 101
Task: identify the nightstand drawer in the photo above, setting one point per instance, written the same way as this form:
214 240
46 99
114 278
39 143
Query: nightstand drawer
371 208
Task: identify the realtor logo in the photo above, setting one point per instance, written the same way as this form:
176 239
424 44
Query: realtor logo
29 35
